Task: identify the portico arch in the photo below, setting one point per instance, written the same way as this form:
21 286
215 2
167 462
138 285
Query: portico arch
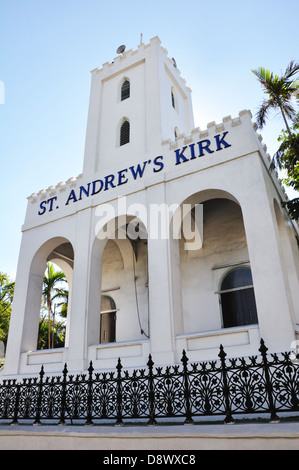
119 270
60 251
197 272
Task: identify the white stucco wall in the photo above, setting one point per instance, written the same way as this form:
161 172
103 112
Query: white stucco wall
224 167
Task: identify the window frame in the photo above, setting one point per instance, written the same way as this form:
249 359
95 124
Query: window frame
125 93
111 314
222 292
124 139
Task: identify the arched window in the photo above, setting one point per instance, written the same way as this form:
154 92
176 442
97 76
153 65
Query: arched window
108 320
237 298
125 90
172 99
125 133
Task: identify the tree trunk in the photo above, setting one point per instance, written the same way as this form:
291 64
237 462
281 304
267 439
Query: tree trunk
286 122
49 323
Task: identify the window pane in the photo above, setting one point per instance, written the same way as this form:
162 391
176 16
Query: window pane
107 327
125 133
239 308
240 277
108 320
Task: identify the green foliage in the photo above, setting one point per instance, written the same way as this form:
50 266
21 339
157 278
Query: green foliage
293 208
55 297
57 331
287 158
281 93
6 298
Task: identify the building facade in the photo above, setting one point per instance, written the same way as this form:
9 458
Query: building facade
172 237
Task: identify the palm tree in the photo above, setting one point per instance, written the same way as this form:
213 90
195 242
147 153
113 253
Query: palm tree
280 91
53 288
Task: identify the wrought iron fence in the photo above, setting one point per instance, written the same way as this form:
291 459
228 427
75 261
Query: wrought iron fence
225 387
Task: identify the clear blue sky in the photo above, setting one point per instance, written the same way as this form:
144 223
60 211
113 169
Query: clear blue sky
48 48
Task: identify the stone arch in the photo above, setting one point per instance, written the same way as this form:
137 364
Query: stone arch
221 243
53 250
119 269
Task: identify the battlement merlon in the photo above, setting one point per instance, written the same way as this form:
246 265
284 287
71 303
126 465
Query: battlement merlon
128 58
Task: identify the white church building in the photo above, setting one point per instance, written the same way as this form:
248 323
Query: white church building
173 237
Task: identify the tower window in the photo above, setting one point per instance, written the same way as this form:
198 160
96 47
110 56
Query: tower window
237 298
125 133
125 90
172 99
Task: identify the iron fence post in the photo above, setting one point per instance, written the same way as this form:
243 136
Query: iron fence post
15 416
39 398
151 394
119 421
63 397
263 350
189 419
89 396
294 396
228 419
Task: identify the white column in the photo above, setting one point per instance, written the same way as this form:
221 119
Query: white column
274 305
78 322
20 338
160 286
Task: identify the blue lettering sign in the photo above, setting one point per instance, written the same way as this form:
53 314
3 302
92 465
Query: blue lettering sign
95 189
139 171
121 177
187 153
180 155
205 146
72 197
43 205
221 141
159 164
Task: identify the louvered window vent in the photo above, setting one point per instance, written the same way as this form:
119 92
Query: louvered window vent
125 90
125 133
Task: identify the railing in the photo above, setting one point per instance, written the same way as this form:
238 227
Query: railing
226 387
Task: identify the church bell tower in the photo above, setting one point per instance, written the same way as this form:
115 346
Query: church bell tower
137 101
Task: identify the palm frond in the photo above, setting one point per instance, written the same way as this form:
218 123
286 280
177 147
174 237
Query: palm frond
291 70
289 111
263 75
262 114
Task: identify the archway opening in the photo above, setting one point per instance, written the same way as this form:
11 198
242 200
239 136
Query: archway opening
198 272
56 251
120 313
54 309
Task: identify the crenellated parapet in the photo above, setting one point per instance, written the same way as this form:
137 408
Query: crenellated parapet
55 190
126 56
228 123
212 128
